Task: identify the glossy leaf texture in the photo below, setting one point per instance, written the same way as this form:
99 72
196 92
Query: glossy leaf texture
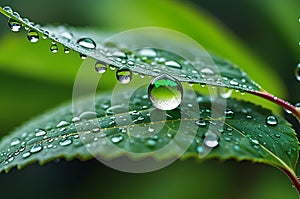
246 132
147 51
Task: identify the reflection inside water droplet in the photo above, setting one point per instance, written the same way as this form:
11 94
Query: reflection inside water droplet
54 48
14 25
33 36
100 67
124 75
165 92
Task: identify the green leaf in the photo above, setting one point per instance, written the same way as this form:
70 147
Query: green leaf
142 132
170 53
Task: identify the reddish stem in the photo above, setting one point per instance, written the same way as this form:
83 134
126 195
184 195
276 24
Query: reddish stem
281 102
293 178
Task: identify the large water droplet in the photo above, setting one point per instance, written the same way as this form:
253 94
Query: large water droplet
271 120
88 115
100 67
147 52
116 139
54 48
15 142
14 25
124 75
297 72
211 139
173 64
87 43
33 36
165 92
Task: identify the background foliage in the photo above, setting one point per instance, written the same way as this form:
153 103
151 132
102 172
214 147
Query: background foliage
262 37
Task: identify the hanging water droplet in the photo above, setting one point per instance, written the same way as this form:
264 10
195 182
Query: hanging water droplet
66 50
87 43
207 71
54 48
100 67
33 36
147 52
271 120
14 25
65 142
297 72
165 92
124 75
36 148
15 142
211 139
82 56
116 139
173 64
40 132
224 92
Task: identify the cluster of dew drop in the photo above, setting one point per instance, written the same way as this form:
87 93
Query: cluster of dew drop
165 92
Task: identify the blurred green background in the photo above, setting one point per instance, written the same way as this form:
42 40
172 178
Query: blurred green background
260 36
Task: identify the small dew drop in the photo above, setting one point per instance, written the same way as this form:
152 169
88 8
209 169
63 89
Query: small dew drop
65 142
62 124
165 92
87 43
88 115
297 72
151 143
233 82
229 114
124 75
201 123
207 71
224 92
54 48
7 9
36 148
14 25
40 132
173 64
33 36
15 142
116 139
211 139
271 120
82 56
66 50
66 35
26 155
100 67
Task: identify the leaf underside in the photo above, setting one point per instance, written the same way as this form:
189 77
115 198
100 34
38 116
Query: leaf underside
113 131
